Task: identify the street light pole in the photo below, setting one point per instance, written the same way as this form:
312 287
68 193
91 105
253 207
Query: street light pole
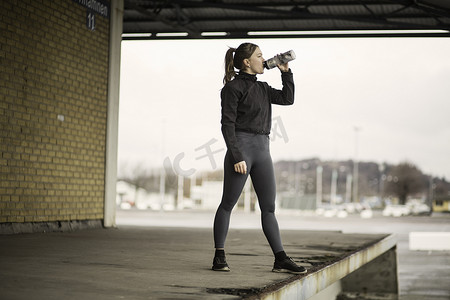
381 168
355 167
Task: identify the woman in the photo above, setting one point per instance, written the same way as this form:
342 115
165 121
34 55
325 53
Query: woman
246 123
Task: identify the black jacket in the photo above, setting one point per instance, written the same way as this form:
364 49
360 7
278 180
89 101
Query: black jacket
246 106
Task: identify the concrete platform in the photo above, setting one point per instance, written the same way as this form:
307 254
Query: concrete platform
172 263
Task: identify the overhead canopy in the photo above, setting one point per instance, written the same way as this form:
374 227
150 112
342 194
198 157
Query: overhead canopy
187 19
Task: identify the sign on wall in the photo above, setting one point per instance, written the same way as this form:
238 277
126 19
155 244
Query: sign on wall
94 8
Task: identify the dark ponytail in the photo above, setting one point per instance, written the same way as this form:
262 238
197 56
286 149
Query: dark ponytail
242 52
229 66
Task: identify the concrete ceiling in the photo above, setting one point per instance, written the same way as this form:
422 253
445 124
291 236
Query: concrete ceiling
221 19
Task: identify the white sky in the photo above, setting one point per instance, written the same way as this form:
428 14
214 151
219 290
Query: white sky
396 90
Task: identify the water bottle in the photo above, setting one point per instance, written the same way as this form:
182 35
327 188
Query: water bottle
279 59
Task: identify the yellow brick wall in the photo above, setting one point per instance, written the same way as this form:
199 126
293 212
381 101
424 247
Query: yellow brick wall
53 106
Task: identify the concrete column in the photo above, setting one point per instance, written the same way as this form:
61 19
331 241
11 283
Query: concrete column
334 178
319 171
180 192
348 188
112 126
378 276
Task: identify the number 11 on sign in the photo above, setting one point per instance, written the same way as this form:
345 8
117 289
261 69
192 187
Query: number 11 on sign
90 20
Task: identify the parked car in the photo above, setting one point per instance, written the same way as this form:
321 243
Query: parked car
396 211
420 209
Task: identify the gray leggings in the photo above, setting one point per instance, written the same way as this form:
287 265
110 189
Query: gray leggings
255 149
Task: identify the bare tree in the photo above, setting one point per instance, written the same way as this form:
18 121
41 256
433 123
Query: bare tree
148 179
403 180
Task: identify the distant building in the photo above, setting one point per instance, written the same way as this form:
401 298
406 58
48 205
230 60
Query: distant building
441 205
128 195
207 195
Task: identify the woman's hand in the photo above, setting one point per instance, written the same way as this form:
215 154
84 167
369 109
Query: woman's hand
283 67
240 167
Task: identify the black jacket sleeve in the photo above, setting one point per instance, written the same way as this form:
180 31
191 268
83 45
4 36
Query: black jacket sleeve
230 100
286 95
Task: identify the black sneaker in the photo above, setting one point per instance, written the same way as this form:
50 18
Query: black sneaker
287 265
220 264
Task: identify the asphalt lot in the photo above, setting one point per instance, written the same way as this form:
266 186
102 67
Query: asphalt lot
422 274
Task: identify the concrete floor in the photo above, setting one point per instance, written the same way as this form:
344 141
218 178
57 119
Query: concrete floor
155 262
422 274
142 260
